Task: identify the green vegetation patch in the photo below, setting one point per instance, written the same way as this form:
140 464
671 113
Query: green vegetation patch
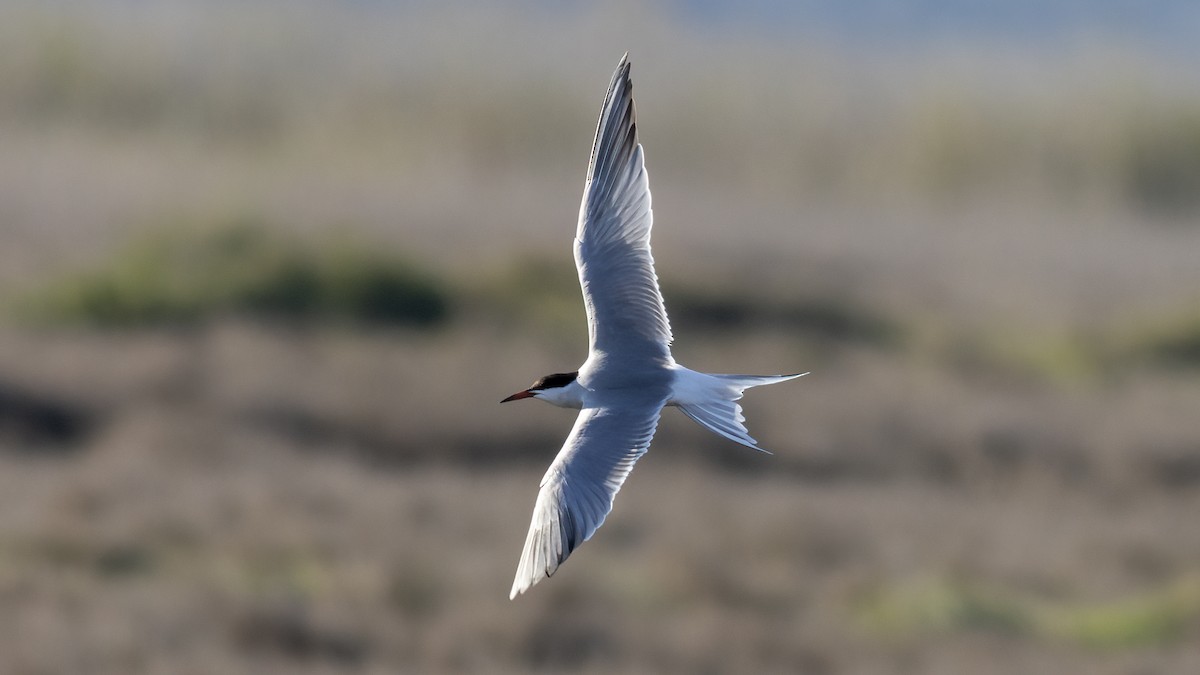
1064 358
1159 617
820 319
183 275
1162 161
1170 342
547 292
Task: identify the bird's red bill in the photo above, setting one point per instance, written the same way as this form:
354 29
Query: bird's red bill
518 396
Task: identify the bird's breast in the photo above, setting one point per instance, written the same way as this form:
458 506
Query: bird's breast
602 375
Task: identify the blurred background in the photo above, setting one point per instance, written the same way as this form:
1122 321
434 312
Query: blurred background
266 268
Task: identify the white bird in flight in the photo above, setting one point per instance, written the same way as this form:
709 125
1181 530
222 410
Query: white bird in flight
629 374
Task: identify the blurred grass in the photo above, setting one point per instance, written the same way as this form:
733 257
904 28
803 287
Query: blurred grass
826 320
546 292
1169 341
1098 134
535 291
1071 356
187 273
1159 617
1162 161
69 70
1065 358
194 270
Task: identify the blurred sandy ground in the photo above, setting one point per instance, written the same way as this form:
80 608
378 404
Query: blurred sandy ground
236 457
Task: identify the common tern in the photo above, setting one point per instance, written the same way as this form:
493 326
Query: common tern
629 374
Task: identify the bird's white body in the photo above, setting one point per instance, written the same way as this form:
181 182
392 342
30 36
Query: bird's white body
688 388
630 374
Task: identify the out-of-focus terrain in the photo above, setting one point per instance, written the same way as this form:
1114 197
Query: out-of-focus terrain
266 269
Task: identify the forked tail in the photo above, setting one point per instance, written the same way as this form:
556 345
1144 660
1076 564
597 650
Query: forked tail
710 400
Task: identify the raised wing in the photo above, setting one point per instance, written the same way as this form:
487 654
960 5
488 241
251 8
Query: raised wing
625 309
577 491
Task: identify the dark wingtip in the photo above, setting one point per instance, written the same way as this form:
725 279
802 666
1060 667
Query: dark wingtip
623 68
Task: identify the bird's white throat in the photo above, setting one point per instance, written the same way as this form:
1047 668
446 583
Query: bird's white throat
570 396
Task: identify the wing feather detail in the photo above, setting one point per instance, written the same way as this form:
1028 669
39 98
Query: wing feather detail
577 491
626 315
